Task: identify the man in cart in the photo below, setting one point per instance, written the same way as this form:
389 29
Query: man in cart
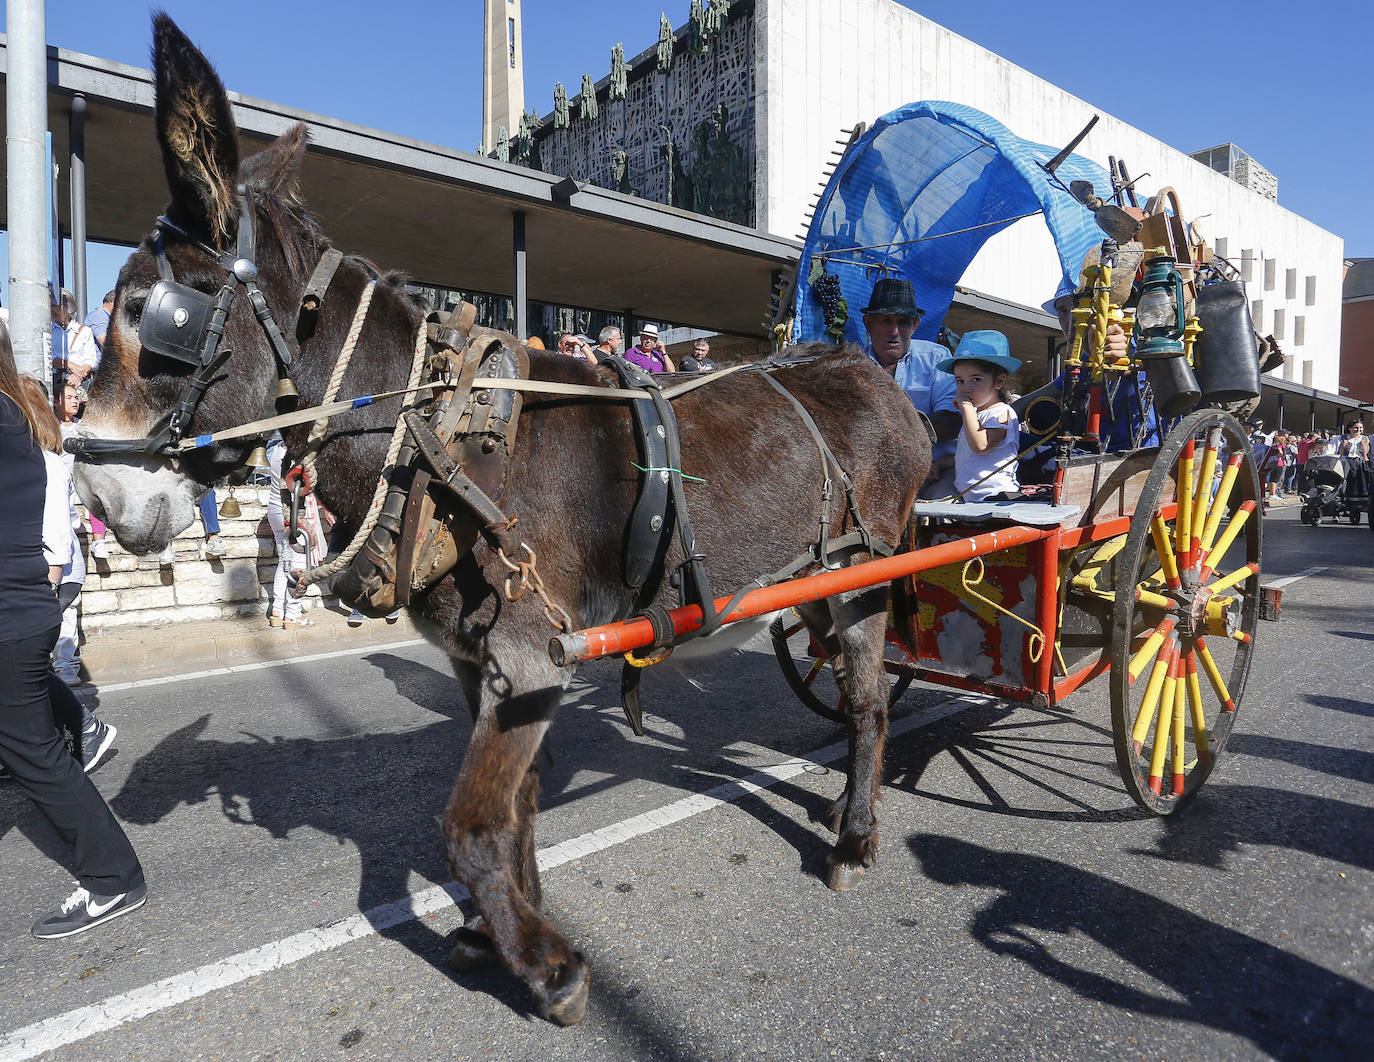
890 318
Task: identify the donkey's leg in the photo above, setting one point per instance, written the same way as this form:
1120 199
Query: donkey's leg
489 839
861 624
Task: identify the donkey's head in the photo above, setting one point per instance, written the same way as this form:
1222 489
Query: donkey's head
230 227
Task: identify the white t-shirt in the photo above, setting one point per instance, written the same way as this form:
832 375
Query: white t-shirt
998 463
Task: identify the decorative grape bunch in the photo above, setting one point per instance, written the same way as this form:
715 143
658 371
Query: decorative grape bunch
826 288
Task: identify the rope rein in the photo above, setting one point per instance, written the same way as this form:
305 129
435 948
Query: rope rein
342 561
317 430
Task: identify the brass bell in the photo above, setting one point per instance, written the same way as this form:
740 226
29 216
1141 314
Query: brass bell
258 458
230 508
288 398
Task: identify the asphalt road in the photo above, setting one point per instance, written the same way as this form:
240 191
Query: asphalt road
1022 908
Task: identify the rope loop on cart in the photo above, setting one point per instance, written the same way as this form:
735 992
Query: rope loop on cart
1035 646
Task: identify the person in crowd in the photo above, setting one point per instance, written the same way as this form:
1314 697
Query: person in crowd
1354 443
1271 466
61 547
700 358
1290 467
209 517
607 342
1304 451
648 353
110 879
70 408
285 610
98 320
1331 443
985 454
890 319
576 345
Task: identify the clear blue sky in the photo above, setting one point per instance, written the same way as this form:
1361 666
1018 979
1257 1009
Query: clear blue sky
1289 83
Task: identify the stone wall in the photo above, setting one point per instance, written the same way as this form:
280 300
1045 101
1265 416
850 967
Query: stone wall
125 590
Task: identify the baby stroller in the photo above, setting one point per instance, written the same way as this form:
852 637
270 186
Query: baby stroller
1336 488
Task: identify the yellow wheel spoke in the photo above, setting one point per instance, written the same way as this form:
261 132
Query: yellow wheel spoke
1149 597
1219 503
1203 495
1238 576
1150 701
1151 647
1168 563
1180 697
1214 676
1160 753
1228 536
1204 754
1183 523
816 669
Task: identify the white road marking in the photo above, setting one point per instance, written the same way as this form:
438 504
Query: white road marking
52 1033
257 665
1286 580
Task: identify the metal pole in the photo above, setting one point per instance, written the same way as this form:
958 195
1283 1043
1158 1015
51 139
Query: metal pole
520 294
1312 415
78 181
26 119
1280 403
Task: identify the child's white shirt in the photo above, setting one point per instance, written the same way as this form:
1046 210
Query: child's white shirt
999 460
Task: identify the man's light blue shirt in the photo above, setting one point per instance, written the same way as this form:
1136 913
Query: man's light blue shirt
930 390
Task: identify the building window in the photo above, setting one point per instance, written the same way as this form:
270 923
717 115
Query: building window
1311 298
1279 321
1288 367
1223 246
1290 284
1299 330
1247 264
510 24
1271 269
1307 374
1257 315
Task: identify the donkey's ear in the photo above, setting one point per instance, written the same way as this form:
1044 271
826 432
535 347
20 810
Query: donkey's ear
275 166
195 128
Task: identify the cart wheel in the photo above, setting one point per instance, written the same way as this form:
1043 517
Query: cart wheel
1186 605
815 685
1305 515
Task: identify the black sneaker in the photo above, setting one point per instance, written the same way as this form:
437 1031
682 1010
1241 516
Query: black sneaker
82 911
96 739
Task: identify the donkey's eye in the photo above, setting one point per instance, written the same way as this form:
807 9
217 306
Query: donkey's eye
133 308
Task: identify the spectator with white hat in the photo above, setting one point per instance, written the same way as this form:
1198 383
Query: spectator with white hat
648 353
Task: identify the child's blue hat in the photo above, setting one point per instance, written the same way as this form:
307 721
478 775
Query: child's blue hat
985 345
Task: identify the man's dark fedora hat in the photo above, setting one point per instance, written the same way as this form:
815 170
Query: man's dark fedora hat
893 295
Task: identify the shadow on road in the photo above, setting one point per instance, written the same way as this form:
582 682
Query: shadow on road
1216 977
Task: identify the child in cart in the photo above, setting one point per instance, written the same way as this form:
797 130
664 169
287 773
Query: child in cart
985 458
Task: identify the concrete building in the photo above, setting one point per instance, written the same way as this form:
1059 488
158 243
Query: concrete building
790 74
503 71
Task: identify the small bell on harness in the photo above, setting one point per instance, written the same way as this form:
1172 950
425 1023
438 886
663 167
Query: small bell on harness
230 508
257 459
288 398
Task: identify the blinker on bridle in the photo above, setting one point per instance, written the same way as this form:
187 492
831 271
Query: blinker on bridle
187 326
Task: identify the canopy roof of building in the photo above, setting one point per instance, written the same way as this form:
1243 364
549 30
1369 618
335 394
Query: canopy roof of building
444 217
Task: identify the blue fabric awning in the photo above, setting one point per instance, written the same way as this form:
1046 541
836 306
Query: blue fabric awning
950 177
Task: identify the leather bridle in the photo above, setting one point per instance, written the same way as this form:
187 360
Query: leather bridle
187 326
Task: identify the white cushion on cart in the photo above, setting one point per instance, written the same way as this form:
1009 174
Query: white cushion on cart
1033 514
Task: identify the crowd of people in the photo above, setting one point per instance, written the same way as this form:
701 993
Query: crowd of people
1282 455
648 351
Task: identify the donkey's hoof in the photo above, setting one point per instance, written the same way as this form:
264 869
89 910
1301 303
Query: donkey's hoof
844 877
566 1002
472 951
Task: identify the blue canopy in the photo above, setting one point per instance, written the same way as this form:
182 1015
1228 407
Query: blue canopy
919 195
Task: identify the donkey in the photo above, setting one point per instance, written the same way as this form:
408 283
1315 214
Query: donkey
572 483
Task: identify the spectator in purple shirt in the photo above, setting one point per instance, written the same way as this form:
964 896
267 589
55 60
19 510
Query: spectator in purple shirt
648 353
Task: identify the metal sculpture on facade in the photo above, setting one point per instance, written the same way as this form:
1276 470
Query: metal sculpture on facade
666 44
618 75
560 106
587 109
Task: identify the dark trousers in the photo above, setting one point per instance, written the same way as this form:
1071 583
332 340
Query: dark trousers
33 750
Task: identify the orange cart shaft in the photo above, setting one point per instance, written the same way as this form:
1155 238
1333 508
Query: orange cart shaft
612 639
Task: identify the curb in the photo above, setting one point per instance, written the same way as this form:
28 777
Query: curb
127 654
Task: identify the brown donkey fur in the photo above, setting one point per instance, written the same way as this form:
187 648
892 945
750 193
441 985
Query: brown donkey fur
572 484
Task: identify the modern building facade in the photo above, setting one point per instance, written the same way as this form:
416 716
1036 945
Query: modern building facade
738 110
1357 332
